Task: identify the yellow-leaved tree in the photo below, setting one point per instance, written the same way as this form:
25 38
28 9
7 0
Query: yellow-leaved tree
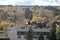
5 25
37 15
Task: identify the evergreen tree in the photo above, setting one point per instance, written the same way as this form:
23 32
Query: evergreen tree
28 14
15 18
41 37
30 34
52 34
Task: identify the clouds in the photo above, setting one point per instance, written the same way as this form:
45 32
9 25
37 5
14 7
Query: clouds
47 2
30 2
7 2
16 2
25 2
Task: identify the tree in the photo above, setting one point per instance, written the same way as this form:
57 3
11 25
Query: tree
28 14
15 18
4 16
41 37
30 34
58 33
52 34
39 25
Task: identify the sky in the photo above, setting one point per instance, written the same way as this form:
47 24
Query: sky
31 2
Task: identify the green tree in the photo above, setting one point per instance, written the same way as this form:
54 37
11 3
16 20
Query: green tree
28 14
52 33
41 37
30 34
58 33
15 18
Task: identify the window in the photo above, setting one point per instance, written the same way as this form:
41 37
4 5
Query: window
18 36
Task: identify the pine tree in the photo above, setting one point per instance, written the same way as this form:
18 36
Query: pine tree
28 14
30 34
52 34
41 37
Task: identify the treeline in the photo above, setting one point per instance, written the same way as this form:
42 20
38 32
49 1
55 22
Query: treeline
32 13
41 14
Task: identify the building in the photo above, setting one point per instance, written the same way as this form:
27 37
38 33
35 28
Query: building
20 33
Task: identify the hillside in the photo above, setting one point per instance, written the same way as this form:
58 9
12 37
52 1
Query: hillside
17 14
